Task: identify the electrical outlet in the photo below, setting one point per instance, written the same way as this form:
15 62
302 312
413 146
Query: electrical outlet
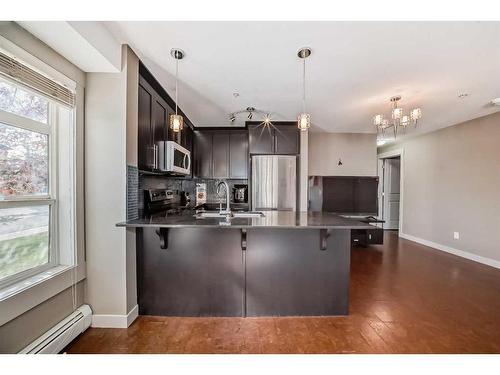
456 235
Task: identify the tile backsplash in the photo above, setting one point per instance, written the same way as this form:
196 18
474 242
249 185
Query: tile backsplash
181 184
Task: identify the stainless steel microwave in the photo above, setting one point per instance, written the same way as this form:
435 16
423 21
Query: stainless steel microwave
174 158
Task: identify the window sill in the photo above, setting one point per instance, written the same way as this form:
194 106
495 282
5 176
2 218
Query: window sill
31 281
20 297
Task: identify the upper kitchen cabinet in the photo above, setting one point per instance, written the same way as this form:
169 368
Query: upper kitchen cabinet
202 154
152 125
286 139
154 109
238 154
279 139
261 139
221 154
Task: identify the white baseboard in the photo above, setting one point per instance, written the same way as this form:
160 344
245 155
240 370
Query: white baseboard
115 321
451 250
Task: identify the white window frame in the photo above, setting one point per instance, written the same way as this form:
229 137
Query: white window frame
51 199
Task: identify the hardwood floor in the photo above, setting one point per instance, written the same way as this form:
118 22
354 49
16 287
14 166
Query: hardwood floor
405 298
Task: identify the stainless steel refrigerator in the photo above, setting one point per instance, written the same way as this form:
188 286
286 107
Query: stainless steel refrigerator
274 182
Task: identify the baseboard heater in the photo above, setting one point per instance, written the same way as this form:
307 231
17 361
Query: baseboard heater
56 339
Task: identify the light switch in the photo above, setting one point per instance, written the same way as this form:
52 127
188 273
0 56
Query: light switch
456 235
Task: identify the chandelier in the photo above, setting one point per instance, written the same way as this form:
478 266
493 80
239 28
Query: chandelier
398 119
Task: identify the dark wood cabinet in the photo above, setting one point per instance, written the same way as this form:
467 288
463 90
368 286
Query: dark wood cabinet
279 139
202 154
286 139
238 155
159 125
153 126
145 157
221 154
261 140
186 138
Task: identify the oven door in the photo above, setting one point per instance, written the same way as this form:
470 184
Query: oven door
178 159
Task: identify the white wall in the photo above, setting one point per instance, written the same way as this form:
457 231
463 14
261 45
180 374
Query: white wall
451 184
32 312
110 284
358 152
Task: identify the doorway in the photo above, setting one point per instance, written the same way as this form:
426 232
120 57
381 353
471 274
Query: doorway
390 196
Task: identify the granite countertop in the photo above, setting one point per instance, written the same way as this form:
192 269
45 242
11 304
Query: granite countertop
272 219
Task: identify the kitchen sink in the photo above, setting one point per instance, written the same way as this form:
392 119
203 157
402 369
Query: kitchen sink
236 214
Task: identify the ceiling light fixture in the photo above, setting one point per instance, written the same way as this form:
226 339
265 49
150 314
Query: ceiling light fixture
398 118
249 112
176 121
304 119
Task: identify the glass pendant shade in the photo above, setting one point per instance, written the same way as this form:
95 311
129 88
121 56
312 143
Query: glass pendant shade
304 121
377 120
416 114
176 123
405 121
397 113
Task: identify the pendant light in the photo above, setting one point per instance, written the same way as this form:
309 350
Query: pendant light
176 121
304 120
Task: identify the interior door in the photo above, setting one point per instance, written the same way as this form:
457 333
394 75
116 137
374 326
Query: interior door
391 193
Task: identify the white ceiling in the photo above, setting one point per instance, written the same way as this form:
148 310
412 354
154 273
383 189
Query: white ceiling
354 69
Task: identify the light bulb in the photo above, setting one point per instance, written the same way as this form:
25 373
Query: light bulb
397 113
377 120
416 114
405 121
304 121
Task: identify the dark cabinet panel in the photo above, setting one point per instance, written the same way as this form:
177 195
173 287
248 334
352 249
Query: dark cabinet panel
144 140
261 140
238 155
287 275
220 154
186 140
286 139
278 139
203 154
159 120
193 277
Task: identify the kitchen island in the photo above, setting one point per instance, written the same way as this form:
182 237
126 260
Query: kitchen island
282 264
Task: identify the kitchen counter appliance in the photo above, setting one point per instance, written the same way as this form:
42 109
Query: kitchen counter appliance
240 193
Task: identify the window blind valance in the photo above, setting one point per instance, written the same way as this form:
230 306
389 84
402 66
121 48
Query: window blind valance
18 71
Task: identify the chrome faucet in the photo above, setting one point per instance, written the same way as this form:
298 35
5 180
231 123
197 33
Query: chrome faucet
227 211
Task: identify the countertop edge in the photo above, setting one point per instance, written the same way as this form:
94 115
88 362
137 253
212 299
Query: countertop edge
241 226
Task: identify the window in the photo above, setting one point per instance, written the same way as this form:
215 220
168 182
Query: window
36 183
